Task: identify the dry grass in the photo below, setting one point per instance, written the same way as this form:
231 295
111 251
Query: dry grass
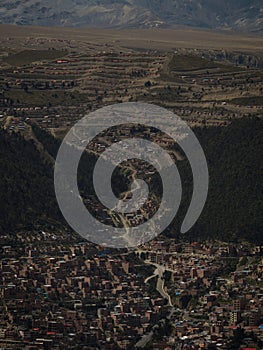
156 39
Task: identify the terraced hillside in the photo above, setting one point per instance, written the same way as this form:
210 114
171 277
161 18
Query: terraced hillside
49 83
57 81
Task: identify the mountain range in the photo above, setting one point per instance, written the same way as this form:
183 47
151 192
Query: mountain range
242 15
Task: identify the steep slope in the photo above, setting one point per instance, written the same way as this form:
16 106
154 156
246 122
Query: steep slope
234 205
230 14
26 186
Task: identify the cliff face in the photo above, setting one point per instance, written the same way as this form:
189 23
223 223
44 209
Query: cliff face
246 15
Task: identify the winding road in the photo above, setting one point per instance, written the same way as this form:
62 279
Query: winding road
159 271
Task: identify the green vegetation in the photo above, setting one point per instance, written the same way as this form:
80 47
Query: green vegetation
234 204
28 56
26 186
167 94
229 265
194 302
145 270
151 284
54 98
187 63
164 329
243 261
248 101
254 282
50 143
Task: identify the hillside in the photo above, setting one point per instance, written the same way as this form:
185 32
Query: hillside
26 186
245 15
233 209
234 204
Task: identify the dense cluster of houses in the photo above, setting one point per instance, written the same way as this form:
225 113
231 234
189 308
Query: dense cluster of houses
69 299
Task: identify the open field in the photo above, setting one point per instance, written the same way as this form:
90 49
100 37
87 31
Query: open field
244 101
28 56
156 39
190 64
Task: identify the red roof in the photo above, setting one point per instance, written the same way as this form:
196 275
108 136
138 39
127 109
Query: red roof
233 327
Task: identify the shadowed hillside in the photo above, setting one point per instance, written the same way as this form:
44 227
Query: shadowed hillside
234 204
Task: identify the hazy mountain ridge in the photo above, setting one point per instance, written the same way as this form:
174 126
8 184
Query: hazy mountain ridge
230 14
